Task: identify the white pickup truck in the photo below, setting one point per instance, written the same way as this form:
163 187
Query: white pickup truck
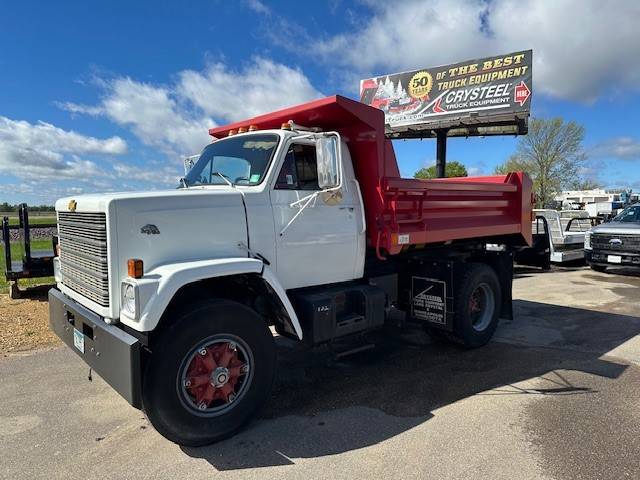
170 295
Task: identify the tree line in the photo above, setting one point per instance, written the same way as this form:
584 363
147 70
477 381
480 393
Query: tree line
7 207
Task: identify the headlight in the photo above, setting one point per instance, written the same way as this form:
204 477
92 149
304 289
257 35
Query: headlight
587 240
129 300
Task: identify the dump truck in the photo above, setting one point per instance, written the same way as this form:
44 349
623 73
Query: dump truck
294 223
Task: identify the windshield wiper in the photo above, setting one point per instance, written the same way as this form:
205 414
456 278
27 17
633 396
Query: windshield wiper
224 177
183 182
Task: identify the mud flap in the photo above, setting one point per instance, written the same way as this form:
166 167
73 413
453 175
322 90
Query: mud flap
431 291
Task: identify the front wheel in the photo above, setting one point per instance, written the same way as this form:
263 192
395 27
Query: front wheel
209 373
598 268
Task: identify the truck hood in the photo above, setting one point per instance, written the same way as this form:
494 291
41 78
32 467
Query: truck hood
617 228
164 227
99 202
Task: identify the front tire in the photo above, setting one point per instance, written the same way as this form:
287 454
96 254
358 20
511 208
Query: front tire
209 373
598 268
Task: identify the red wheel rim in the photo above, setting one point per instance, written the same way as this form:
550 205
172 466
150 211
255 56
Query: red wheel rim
481 307
215 375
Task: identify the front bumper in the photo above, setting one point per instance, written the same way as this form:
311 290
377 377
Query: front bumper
111 352
600 257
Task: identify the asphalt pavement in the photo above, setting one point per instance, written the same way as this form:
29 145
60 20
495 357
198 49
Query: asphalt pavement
556 395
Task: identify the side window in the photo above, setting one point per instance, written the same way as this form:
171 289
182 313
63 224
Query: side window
299 170
631 215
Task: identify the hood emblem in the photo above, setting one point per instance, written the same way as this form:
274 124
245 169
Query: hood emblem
72 205
615 241
150 229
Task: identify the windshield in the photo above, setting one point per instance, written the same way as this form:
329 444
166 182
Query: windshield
629 215
241 160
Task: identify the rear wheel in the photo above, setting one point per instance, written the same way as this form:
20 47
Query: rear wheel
477 306
209 373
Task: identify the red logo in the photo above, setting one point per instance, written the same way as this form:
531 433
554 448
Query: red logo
521 93
437 108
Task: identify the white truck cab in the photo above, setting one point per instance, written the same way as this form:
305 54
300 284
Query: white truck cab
238 210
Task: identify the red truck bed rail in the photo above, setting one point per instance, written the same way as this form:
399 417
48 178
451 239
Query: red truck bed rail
419 212
402 212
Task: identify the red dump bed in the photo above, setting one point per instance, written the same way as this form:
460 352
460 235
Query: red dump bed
402 212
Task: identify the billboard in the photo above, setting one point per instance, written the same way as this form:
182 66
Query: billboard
488 91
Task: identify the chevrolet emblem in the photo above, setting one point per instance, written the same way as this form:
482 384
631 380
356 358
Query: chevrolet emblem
72 205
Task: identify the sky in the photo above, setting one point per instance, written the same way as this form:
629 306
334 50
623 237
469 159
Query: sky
109 96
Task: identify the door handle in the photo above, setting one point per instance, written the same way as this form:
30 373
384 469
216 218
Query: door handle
347 208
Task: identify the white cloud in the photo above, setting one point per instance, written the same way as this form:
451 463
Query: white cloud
152 113
162 175
258 7
45 135
582 49
45 151
175 118
625 148
260 87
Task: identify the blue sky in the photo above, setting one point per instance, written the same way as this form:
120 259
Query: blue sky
108 96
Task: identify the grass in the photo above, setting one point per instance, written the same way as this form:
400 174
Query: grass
34 220
16 254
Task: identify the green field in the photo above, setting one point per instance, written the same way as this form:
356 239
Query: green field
16 254
34 220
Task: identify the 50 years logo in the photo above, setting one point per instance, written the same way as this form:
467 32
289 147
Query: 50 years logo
420 84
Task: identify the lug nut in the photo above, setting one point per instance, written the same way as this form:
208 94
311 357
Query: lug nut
232 397
187 383
232 346
244 368
203 352
202 406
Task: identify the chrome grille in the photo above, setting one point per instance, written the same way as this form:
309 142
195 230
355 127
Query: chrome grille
629 243
83 254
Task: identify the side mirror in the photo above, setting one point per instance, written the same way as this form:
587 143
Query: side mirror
328 162
189 162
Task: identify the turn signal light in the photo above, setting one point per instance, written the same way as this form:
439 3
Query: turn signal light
242 130
253 128
231 133
135 268
286 126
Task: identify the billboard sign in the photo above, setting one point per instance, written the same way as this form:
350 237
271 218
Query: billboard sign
484 91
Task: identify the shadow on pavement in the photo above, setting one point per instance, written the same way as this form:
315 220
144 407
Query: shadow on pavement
318 409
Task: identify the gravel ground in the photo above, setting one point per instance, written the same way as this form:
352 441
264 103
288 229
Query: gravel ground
24 325
36 233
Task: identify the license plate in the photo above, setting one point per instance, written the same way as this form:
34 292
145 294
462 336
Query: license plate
78 339
614 259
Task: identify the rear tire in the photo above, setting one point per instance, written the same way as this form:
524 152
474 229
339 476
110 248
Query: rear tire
477 306
598 268
209 373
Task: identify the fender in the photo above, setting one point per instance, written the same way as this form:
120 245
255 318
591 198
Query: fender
273 282
156 289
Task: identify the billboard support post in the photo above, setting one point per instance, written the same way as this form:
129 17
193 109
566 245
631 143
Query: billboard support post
441 153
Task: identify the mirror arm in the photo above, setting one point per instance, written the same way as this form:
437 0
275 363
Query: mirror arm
308 199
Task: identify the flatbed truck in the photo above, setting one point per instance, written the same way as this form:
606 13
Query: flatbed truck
296 221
